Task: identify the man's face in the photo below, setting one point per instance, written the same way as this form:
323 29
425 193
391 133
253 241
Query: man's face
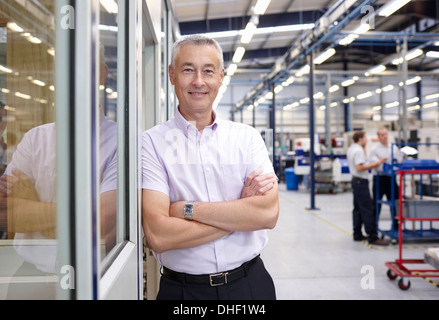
383 137
363 141
197 77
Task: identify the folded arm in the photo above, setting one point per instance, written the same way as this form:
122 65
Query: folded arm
164 232
246 214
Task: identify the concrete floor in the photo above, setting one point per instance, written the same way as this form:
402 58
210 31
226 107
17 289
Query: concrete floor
311 254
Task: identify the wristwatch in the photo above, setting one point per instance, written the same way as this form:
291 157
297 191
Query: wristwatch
188 210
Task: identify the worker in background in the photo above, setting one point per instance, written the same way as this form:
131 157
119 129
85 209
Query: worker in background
384 182
363 213
204 209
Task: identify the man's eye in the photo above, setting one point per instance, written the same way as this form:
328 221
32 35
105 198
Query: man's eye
187 70
209 71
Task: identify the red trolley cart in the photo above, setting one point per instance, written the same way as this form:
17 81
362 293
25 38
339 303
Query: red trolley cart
419 210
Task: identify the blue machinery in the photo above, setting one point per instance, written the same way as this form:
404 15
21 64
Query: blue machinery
392 170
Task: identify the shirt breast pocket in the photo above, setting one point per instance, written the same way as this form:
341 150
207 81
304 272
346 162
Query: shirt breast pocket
233 179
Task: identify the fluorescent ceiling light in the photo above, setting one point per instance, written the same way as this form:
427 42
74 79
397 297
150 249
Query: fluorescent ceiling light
392 104
287 28
430 105
269 95
304 100
51 51
227 80
413 80
348 39
412 108
34 40
376 70
239 53
410 56
259 31
289 81
232 69
412 100
249 30
14 27
110 5
324 56
318 95
414 54
278 89
365 95
348 82
304 70
261 6
433 54
391 7
376 108
334 88
398 61
4 69
362 28
23 96
387 88
432 96
38 83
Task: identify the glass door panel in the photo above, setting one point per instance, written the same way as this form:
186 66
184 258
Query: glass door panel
28 245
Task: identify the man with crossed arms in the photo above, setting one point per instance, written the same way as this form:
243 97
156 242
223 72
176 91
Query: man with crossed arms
209 189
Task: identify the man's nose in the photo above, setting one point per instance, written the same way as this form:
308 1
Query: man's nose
198 79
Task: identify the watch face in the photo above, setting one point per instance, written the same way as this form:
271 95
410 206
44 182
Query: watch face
188 210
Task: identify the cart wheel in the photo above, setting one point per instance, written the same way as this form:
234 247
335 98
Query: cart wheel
404 284
391 275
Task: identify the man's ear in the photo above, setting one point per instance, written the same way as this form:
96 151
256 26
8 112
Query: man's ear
171 74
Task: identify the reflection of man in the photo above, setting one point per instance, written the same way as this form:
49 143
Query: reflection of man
205 205
384 150
3 122
363 213
29 185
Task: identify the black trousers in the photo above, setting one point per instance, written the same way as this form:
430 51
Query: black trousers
363 213
384 188
256 285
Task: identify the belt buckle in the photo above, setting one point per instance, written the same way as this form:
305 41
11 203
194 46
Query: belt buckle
211 276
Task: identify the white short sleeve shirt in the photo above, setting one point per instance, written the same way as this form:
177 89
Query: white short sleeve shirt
186 165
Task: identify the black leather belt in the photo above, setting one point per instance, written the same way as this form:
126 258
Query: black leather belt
214 280
361 179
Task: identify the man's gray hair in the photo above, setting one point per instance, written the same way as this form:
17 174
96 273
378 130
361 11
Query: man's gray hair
196 40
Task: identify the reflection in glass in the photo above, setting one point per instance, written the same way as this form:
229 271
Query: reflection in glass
108 128
28 151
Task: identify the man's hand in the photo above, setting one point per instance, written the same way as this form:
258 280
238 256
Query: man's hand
19 186
257 184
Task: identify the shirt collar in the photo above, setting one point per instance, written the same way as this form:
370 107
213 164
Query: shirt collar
185 125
